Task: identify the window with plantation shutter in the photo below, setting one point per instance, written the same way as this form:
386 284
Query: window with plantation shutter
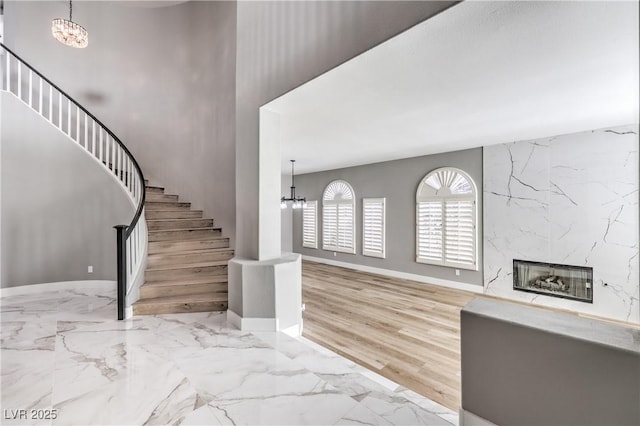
373 226
338 217
310 225
446 219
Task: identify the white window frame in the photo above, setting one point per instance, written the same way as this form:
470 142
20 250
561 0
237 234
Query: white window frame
426 193
339 193
310 206
383 225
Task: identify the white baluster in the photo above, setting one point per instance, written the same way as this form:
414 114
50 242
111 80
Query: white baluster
86 131
134 187
113 156
125 176
69 117
93 137
100 146
19 80
60 110
78 124
107 150
51 104
40 97
30 88
129 170
120 163
8 71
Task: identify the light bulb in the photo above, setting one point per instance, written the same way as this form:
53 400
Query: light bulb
283 204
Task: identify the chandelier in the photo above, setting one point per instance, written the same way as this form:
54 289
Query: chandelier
296 202
68 32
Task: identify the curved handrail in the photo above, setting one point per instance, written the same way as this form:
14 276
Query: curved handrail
106 148
140 206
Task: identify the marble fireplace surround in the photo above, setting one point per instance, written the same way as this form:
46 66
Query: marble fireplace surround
569 199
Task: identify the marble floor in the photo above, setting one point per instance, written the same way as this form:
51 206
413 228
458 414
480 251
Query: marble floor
63 355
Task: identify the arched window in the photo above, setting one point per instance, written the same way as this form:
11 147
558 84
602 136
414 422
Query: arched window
338 217
446 219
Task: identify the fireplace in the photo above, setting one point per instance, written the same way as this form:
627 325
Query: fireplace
565 281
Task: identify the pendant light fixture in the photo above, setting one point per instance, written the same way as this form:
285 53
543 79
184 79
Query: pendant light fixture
296 202
68 32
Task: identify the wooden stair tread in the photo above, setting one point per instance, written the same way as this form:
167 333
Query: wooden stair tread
187 281
194 252
207 228
186 240
187 259
179 244
175 220
189 265
187 298
147 201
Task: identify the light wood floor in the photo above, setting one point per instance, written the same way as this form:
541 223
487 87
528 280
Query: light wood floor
406 331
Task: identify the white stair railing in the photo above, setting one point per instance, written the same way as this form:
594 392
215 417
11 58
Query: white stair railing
45 98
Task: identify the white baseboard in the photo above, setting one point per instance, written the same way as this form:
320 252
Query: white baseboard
251 324
293 331
397 274
40 288
467 418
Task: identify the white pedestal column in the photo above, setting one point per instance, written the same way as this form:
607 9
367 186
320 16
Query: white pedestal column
266 295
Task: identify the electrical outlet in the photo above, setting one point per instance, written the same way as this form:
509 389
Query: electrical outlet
335 254
90 269
304 307
457 272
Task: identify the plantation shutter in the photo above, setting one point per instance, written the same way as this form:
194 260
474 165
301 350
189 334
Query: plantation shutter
345 227
446 219
373 227
338 217
310 225
460 232
330 226
429 238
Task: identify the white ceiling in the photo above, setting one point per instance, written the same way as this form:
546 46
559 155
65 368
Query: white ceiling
478 74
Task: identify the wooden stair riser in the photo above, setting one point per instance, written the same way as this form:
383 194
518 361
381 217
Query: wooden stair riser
173 214
150 292
154 197
155 225
155 260
178 307
176 274
187 259
154 205
184 234
154 190
179 246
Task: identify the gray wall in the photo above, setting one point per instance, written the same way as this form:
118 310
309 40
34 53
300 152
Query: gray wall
397 181
58 205
527 366
281 45
162 78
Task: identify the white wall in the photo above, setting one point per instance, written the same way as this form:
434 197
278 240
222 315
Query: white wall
59 205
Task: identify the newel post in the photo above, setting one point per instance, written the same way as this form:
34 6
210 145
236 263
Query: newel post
121 240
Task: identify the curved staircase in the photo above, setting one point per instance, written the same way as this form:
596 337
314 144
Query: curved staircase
187 259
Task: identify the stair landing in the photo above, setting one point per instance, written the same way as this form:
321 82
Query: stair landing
187 259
